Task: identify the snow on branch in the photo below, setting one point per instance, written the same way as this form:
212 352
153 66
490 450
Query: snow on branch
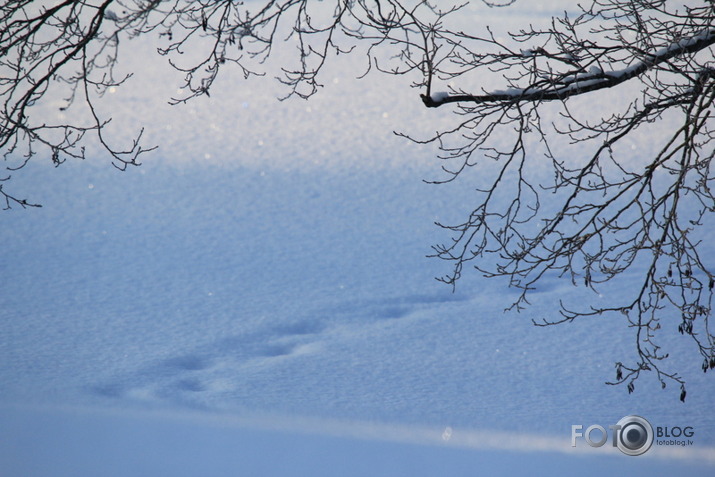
576 84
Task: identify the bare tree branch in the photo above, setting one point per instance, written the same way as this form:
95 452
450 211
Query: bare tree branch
613 214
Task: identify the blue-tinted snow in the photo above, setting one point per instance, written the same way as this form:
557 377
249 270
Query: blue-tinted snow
263 275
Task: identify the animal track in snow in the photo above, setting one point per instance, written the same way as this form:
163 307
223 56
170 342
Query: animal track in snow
215 372
188 362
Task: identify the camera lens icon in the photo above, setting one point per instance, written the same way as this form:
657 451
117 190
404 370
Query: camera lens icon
635 435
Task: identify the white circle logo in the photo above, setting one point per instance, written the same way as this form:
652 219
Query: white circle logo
634 435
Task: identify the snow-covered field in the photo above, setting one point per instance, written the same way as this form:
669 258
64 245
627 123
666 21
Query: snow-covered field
255 300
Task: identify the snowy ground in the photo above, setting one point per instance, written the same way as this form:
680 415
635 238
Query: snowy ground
255 300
